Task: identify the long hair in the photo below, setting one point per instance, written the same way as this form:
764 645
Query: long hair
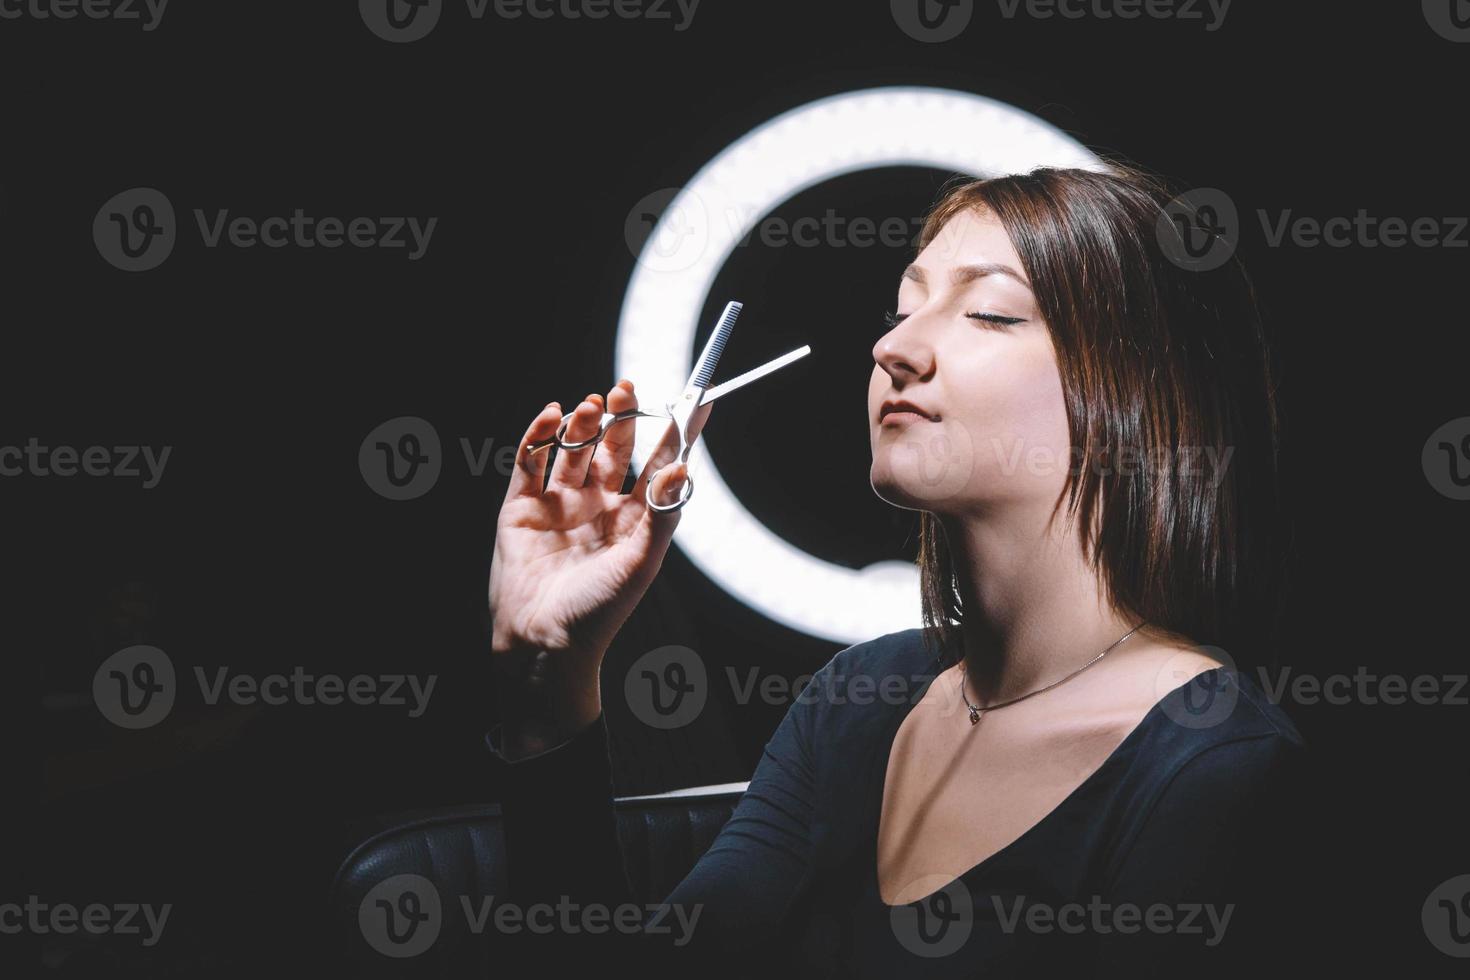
1161 364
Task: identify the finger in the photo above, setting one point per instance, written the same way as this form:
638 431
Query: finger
610 467
570 468
529 475
667 449
667 486
655 529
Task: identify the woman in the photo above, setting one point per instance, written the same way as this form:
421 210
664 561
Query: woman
1072 781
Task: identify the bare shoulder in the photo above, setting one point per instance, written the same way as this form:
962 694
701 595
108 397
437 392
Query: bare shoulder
1124 691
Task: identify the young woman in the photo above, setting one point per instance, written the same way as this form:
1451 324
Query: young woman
1069 778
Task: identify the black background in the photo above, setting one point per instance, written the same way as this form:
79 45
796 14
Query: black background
264 549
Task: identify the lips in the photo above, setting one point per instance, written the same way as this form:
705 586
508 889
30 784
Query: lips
899 405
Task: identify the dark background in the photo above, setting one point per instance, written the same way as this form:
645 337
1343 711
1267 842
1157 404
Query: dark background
262 548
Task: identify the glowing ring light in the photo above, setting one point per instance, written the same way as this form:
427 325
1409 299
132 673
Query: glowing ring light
864 130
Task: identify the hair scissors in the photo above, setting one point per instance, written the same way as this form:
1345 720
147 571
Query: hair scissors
697 392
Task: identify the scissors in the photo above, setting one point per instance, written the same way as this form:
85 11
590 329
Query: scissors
697 392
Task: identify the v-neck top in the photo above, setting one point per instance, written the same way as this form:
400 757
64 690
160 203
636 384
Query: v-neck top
1162 861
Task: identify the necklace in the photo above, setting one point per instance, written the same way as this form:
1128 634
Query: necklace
976 710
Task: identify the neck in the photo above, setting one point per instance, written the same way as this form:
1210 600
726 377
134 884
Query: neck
1034 610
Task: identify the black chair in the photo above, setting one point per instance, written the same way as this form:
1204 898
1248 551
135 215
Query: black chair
399 899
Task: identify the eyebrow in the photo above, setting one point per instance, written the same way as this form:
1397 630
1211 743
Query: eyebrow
969 273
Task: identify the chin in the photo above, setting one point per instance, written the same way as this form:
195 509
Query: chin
922 467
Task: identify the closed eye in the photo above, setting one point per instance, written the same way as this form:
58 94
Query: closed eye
997 319
894 319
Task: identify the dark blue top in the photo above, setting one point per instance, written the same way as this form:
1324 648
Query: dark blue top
1168 860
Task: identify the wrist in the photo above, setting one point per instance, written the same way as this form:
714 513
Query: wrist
547 696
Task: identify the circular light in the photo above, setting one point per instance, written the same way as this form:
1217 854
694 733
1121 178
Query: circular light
842 134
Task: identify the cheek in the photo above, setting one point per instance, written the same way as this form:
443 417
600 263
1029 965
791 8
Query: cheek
1019 415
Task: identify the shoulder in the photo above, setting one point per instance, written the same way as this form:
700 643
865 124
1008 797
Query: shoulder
866 683
901 649
1216 771
1213 752
1215 707
895 666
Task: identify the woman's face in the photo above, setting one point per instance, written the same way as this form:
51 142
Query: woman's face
971 351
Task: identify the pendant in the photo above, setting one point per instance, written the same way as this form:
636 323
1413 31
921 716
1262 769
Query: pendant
974 716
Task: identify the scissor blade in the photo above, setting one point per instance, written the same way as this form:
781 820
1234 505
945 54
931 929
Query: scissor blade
704 368
754 374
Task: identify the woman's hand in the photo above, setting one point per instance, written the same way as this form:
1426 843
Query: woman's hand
573 560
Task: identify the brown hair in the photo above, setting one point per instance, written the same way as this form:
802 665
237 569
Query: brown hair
1154 356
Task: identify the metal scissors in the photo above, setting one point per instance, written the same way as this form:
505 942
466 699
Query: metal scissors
697 392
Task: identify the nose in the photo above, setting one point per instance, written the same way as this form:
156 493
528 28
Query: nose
905 353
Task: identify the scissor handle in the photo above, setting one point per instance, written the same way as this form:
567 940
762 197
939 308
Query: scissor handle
609 420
